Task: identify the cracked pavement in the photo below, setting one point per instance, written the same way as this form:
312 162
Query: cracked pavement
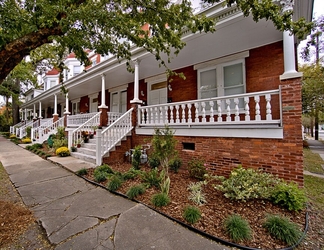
79 215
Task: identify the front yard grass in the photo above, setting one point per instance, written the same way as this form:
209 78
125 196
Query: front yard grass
313 162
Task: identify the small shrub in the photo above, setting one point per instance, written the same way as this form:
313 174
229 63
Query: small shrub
244 184
175 164
131 174
195 186
289 196
28 131
152 178
99 176
114 183
82 171
282 229
63 151
29 147
135 191
104 168
237 228
26 140
160 200
12 136
153 161
57 143
198 197
136 157
191 214
37 145
197 169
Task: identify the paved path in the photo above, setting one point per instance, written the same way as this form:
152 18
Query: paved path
318 148
79 215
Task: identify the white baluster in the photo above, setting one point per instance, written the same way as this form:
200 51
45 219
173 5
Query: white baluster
171 114
161 115
183 111
219 110
189 113
166 121
143 116
196 112
156 120
257 108
203 105
228 110
247 108
152 116
237 110
268 107
211 104
177 114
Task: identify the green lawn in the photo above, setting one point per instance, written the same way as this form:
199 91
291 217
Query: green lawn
313 162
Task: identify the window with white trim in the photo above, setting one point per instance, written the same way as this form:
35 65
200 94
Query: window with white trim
222 80
76 70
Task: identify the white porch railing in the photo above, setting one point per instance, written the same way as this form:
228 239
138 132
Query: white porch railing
79 119
22 131
14 127
249 108
38 125
51 128
75 137
112 135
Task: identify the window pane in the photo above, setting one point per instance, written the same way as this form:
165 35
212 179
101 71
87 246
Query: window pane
233 75
208 80
208 94
234 91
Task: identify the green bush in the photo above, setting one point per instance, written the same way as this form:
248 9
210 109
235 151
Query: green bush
283 229
62 151
57 143
175 164
244 184
131 174
136 157
197 169
82 171
114 183
237 228
37 145
135 191
191 214
160 200
289 196
152 178
153 161
165 185
104 168
28 131
99 176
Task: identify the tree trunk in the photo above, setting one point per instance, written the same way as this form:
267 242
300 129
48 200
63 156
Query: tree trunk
316 124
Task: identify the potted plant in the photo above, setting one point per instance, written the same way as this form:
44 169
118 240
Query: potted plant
94 129
79 143
73 149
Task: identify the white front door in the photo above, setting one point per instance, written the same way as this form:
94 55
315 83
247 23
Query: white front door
158 93
93 104
119 101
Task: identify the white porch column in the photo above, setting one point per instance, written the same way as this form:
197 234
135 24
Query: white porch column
67 104
103 93
55 104
34 114
25 114
40 110
289 47
136 82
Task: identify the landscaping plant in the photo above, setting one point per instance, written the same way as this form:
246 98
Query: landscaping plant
136 157
63 151
82 171
197 169
135 191
160 200
191 214
175 164
114 183
152 178
237 228
283 229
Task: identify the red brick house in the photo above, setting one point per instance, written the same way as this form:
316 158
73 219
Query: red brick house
240 101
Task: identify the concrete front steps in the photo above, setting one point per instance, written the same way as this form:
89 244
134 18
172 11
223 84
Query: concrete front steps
87 152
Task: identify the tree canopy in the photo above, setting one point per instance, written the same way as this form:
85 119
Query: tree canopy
113 26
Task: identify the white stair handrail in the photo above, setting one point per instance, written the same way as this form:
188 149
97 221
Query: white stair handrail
44 133
113 134
76 135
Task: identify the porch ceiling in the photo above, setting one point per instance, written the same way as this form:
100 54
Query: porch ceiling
228 39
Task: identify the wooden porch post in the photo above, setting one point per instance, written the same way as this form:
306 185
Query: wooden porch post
103 107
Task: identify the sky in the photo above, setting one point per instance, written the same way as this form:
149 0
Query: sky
318 10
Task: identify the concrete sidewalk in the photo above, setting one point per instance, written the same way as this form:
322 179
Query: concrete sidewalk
79 215
318 148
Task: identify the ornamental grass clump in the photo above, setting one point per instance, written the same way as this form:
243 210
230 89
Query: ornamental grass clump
246 184
237 228
191 214
135 191
114 183
82 171
102 172
160 200
283 229
152 178
63 151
